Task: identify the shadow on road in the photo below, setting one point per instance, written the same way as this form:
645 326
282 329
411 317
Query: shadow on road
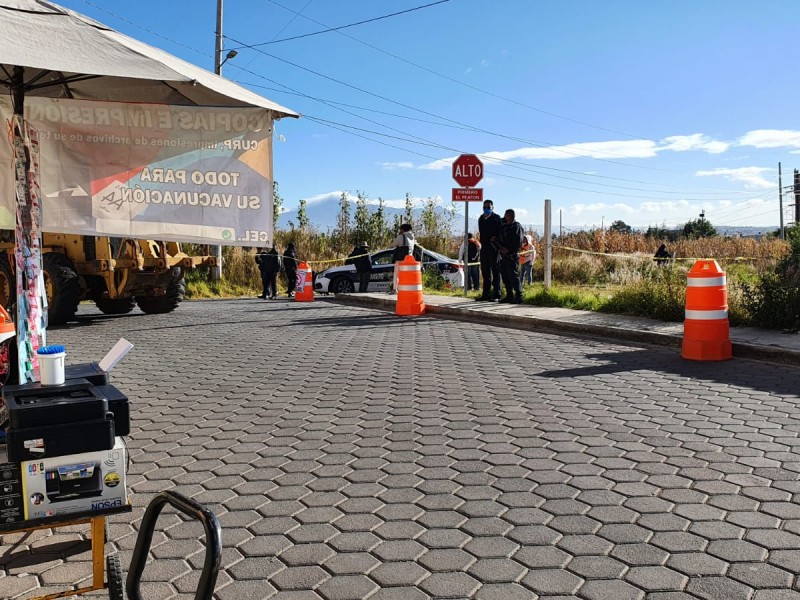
773 378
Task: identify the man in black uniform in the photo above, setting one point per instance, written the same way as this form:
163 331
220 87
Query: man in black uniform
489 227
271 266
290 268
261 260
363 262
511 238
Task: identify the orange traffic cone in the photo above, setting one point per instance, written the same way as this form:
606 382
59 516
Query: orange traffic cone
706 331
410 301
305 284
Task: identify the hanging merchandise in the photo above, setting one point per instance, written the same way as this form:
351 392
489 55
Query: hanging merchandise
27 250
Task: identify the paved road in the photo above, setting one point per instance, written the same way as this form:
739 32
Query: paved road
352 454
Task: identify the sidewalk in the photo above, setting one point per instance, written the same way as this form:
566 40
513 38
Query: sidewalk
748 342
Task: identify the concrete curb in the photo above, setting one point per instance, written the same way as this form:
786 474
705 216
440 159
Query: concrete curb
533 323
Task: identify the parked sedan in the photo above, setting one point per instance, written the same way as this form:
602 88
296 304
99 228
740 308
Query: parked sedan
343 280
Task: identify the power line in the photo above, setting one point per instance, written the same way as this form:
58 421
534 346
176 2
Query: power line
334 104
330 29
475 88
339 126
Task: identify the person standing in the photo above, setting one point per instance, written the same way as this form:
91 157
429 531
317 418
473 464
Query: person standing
489 228
261 260
362 261
526 258
403 246
272 268
471 251
511 238
290 268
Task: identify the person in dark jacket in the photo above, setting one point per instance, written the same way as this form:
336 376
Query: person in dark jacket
290 268
362 261
271 266
511 238
489 228
662 255
261 261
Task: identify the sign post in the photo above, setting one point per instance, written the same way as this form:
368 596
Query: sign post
467 172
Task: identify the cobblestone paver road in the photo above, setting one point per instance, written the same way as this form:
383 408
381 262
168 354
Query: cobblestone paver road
352 454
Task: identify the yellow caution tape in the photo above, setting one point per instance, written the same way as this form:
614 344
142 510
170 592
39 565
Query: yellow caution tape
646 257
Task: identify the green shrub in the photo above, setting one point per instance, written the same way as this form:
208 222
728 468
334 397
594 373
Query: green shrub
774 301
663 296
432 279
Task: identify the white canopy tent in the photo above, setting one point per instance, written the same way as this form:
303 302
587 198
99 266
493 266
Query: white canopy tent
67 55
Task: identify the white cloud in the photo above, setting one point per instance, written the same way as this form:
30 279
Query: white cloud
391 166
751 177
521 214
697 141
771 138
612 149
323 197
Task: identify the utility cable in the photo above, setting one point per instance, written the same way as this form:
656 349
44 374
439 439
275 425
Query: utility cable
330 29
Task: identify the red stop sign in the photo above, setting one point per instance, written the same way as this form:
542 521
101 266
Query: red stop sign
467 170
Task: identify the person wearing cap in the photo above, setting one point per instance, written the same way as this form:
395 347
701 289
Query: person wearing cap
362 261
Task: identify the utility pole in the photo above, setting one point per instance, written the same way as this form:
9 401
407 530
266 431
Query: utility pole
560 224
796 197
548 246
216 272
780 200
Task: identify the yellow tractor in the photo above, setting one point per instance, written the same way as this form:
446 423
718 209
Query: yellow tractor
116 273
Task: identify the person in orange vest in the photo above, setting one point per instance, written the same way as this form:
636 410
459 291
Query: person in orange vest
526 257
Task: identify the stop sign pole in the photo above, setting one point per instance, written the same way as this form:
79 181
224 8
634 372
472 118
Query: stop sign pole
467 172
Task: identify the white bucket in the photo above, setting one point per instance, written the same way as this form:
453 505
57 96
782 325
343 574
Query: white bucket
51 368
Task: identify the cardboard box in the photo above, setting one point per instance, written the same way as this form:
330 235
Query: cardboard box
12 506
77 483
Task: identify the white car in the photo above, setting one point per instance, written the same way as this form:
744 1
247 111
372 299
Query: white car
343 280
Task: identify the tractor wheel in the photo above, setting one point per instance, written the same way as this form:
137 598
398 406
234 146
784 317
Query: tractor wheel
8 282
157 305
62 287
116 579
115 306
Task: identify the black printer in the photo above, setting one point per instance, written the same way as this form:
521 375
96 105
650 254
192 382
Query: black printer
72 418
68 482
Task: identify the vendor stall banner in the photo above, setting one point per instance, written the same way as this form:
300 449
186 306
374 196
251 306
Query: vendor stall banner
177 173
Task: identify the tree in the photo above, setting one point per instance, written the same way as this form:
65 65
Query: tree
379 228
343 220
620 227
699 228
302 215
408 216
361 218
277 205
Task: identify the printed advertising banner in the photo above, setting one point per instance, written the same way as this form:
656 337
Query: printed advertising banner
176 173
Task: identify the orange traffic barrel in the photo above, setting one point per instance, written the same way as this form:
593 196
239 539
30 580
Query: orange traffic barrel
410 301
706 331
305 284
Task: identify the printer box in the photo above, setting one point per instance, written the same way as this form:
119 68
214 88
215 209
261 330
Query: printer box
75 483
12 506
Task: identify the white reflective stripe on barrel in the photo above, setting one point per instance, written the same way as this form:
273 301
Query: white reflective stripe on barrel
706 315
415 267
706 281
410 288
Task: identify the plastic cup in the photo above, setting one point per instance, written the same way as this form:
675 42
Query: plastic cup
51 368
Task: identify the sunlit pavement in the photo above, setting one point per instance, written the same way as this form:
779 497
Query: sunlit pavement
353 454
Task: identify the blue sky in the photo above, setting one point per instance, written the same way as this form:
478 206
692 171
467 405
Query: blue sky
640 111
